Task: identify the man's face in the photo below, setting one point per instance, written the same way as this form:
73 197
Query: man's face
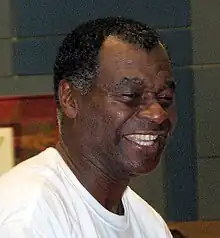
124 122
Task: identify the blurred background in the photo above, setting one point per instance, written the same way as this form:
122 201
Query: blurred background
186 185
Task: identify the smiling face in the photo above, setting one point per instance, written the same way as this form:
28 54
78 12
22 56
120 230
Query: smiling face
124 122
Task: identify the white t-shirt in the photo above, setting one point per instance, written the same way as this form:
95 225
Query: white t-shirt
41 198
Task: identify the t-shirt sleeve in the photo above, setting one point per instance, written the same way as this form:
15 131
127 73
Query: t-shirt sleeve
21 230
41 219
41 225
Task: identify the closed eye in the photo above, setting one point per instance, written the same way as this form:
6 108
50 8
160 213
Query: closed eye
165 101
131 99
131 95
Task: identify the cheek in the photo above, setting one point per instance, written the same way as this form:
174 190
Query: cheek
120 113
103 122
96 124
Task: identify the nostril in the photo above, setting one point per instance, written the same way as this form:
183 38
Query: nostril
154 113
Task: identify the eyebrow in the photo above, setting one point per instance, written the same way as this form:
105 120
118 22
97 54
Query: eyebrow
170 83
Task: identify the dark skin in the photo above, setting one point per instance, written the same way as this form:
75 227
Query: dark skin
133 95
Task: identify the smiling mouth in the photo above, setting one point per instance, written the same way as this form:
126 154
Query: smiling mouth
142 139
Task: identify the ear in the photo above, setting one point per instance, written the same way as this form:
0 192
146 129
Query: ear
67 101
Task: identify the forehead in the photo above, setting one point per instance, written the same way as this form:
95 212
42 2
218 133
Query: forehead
120 60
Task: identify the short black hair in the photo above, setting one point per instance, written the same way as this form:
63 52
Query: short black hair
77 58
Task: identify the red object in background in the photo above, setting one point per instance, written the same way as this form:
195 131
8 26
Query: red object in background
34 122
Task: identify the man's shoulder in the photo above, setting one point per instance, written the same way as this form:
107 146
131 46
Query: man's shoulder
140 205
24 185
36 192
30 169
137 201
148 215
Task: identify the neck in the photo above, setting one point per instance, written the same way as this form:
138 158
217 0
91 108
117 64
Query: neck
106 189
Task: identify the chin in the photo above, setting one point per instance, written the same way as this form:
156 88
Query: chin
144 167
141 160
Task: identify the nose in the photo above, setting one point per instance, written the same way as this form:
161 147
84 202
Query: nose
155 112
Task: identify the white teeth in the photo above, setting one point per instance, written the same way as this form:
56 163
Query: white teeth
143 137
147 143
143 140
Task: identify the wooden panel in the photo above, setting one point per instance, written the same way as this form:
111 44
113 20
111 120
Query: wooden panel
200 229
34 119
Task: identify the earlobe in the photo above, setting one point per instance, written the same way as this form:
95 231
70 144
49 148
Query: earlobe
67 101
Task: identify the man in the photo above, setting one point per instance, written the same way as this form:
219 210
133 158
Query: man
115 99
